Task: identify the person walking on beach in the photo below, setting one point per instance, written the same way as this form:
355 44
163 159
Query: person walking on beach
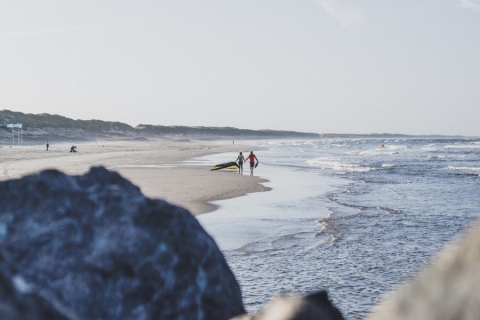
240 160
47 145
251 157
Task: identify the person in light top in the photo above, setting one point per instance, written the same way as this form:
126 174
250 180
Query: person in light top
240 160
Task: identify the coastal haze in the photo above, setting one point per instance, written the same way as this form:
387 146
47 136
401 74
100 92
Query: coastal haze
363 116
324 66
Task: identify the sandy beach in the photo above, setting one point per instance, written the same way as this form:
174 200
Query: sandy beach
159 167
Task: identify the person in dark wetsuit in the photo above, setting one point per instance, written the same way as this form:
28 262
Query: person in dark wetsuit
251 157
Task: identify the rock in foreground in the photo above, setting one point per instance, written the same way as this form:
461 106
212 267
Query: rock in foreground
448 288
316 306
97 246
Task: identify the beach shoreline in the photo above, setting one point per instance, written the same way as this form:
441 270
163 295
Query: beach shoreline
159 167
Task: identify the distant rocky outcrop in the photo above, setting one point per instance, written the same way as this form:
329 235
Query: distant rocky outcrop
94 247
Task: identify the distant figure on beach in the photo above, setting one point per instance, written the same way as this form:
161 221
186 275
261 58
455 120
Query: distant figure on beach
47 145
240 160
73 149
251 157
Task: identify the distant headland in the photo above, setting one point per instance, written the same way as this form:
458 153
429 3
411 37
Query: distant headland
44 126
39 127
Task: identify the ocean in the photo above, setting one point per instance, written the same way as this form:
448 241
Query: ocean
354 216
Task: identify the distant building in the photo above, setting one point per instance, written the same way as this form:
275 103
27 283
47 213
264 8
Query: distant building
17 130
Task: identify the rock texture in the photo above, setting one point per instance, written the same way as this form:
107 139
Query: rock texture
97 247
448 288
18 301
315 306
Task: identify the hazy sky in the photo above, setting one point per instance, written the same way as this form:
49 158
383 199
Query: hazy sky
326 66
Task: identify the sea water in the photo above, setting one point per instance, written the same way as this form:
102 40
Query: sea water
353 216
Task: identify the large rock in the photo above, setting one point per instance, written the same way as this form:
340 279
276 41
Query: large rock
19 301
316 306
448 288
97 246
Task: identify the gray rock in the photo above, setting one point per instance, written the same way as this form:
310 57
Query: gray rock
99 247
19 301
315 306
447 288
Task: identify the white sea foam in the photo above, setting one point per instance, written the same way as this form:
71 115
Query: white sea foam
357 226
288 208
430 147
463 146
473 169
388 165
339 167
378 152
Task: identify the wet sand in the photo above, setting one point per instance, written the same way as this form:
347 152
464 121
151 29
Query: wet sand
159 167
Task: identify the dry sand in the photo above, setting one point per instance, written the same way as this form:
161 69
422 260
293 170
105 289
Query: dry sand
155 166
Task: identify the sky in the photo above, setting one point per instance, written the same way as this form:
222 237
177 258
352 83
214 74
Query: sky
324 66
